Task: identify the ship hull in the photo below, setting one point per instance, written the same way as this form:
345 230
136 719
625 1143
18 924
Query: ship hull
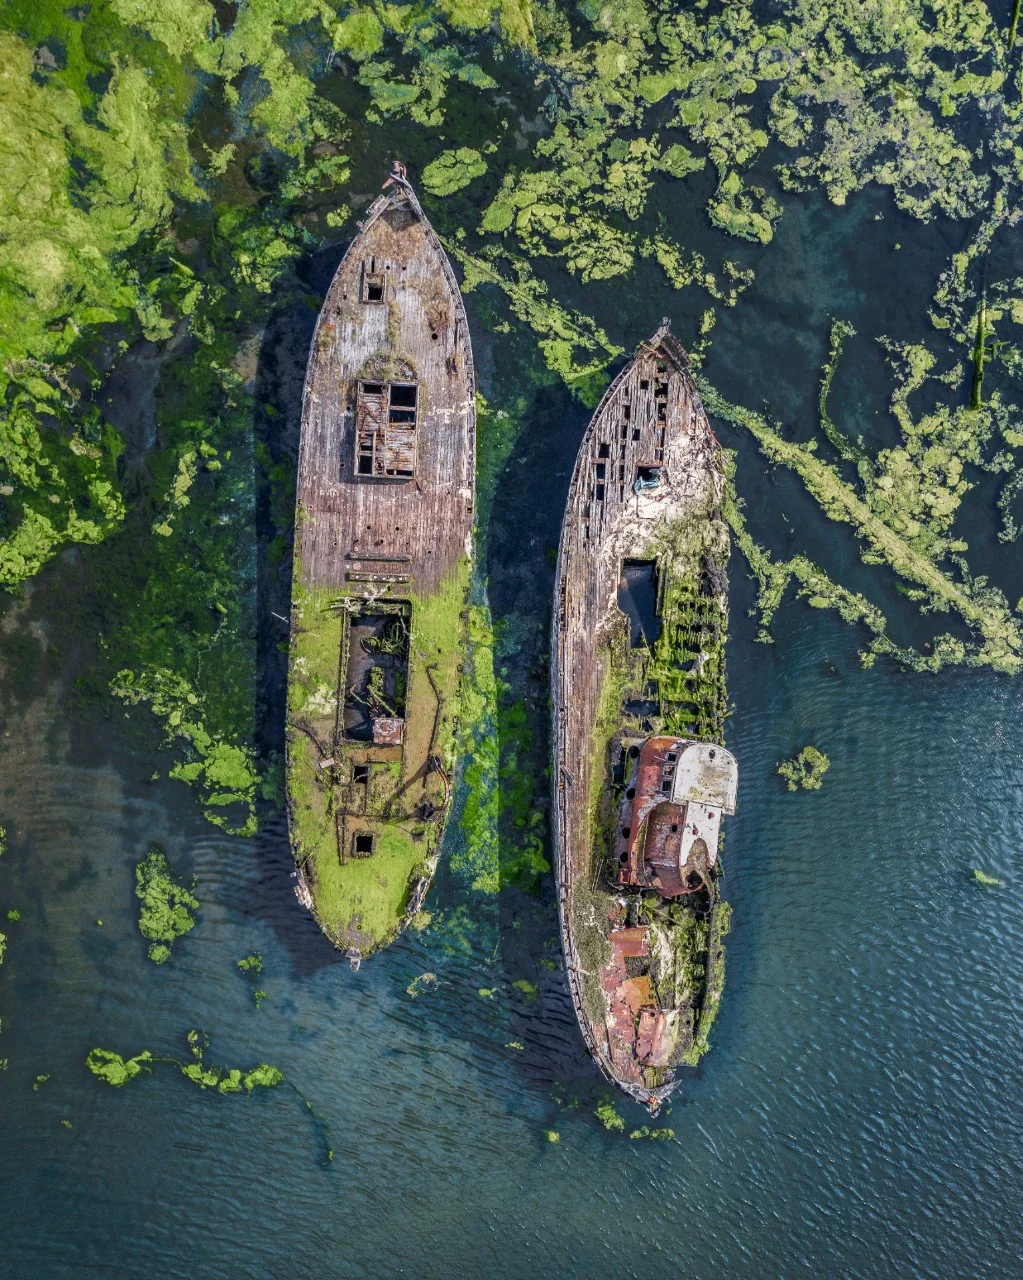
383 538
643 512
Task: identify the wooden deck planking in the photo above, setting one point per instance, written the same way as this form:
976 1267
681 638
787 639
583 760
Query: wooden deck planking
344 516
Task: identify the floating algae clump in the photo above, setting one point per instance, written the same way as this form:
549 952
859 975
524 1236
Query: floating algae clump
166 905
805 770
111 1068
114 1070
453 170
982 877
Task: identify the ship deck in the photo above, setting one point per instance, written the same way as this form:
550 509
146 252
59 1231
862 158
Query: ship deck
384 513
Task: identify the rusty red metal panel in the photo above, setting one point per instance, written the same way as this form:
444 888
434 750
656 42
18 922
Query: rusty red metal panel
388 732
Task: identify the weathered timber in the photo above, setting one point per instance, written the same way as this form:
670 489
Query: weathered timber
383 537
640 775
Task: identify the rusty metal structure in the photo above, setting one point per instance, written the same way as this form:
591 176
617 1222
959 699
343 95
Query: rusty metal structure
641 777
383 539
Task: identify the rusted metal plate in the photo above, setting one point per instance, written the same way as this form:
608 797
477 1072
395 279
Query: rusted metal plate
388 731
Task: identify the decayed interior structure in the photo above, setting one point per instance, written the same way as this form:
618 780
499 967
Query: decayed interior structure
640 773
384 514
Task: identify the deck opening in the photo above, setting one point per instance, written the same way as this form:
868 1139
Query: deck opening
637 599
376 678
362 845
360 773
601 470
604 451
647 478
385 420
372 283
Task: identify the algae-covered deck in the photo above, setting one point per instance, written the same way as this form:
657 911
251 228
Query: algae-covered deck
384 513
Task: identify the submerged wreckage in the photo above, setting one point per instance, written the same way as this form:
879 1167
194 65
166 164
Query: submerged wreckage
638 688
383 536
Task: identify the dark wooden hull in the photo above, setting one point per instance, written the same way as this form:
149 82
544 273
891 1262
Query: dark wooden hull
647 487
383 538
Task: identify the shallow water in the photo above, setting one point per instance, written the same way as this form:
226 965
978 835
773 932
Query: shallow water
860 1113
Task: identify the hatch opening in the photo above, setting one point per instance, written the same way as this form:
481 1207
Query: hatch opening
637 599
376 678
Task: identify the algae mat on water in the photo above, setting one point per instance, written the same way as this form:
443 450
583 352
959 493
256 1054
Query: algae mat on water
240 136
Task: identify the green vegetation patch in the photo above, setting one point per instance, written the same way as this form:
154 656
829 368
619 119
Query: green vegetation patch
166 905
806 770
453 170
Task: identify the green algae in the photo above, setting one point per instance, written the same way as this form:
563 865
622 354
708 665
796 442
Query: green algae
634 102
251 963
166 905
453 170
805 770
112 1069
988 881
903 547
609 1117
423 982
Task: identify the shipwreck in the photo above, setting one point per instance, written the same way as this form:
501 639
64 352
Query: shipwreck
383 538
641 775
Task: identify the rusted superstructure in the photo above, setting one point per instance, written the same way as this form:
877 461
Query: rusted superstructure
383 535
641 778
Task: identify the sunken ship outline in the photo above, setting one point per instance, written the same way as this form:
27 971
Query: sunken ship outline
635 831
385 505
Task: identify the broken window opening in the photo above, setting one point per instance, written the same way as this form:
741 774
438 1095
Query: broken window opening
386 419
647 478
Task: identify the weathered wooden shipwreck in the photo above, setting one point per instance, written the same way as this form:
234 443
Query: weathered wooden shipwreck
383 535
641 777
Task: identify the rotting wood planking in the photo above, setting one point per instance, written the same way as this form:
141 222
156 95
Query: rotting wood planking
383 539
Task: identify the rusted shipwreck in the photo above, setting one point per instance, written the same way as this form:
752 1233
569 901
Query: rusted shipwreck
383 535
641 776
